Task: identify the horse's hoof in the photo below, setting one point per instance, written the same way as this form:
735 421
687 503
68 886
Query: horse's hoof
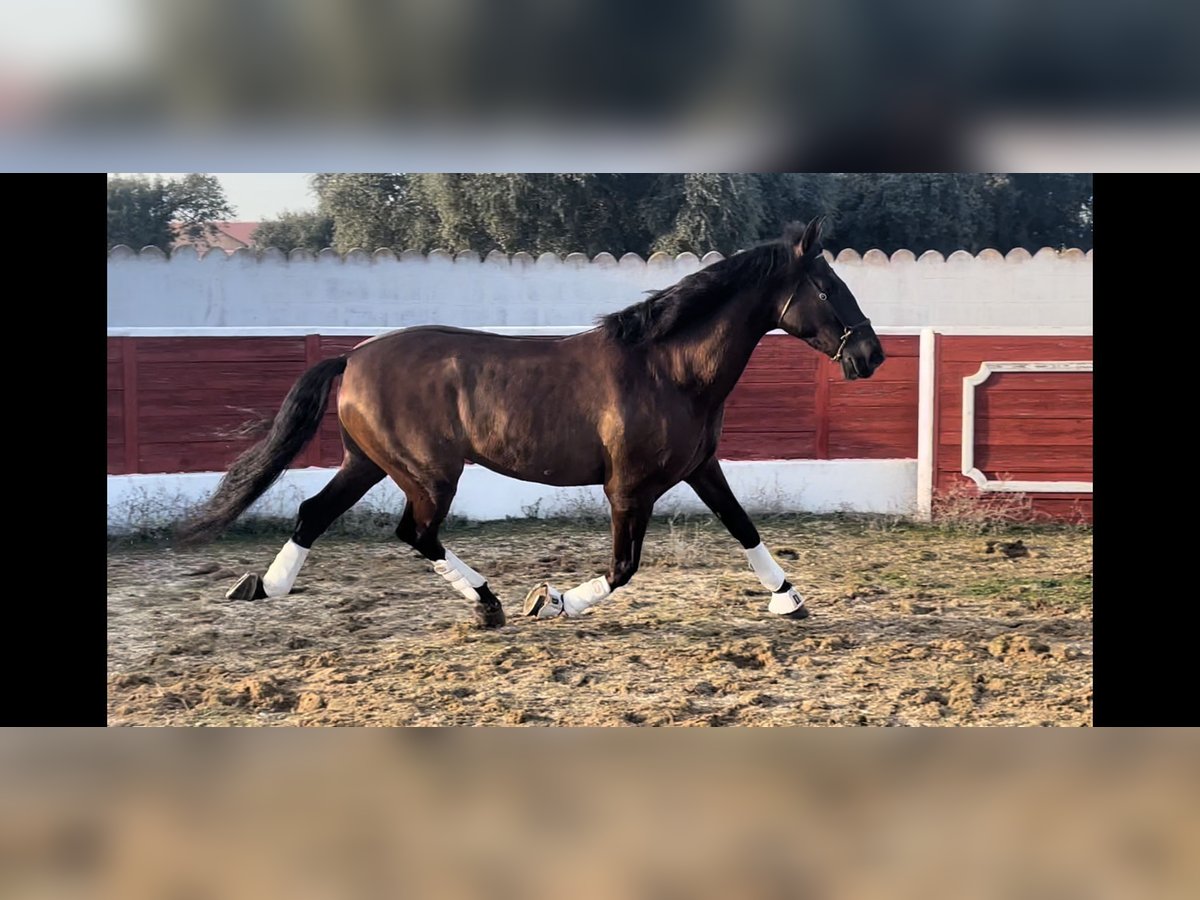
489 612
788 604
248 587
489 616
544 602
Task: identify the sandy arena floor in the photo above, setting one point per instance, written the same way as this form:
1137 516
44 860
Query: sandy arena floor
910 626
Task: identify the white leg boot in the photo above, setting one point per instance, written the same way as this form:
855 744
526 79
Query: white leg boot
785 599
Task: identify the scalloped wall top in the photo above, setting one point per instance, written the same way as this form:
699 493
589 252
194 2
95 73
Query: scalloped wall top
872 257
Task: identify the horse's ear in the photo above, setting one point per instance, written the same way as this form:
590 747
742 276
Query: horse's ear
810 242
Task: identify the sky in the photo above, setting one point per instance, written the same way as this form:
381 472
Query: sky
262 195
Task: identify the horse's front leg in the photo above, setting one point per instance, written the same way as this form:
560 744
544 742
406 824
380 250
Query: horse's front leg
710 486
630 516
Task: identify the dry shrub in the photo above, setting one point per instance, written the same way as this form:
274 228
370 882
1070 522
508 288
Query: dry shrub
964 507
684 544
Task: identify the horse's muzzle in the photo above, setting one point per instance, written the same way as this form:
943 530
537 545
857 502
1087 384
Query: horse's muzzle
862 360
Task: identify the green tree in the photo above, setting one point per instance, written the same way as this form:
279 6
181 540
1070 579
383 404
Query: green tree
642 213
536 213
797 197
557 213
374 210
714 212
1044 210
139 213
918 212
197 201
141 210
456 210
311 231
962 211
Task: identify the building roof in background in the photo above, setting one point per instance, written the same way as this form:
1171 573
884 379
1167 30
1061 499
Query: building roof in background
230 236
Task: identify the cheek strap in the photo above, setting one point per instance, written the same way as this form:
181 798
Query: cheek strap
785 308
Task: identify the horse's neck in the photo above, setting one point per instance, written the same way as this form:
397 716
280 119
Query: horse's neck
708 364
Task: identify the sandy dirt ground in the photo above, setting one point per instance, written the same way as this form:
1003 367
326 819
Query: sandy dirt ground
910 625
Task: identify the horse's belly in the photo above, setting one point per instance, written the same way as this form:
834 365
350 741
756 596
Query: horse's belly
555 474
549 455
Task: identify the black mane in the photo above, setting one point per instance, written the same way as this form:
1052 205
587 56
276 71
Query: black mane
693 298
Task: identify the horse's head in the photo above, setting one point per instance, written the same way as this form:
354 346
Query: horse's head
820 310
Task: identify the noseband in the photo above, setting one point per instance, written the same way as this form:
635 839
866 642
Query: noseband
847 329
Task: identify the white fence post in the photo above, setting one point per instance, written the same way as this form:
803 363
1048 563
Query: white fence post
926 439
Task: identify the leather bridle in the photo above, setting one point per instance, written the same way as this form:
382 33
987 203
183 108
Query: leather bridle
847 330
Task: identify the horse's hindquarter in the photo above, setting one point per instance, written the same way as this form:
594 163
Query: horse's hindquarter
525 407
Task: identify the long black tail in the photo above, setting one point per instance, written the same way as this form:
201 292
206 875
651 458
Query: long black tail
256 469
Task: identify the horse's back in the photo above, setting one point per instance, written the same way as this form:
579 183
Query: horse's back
420 333
527 407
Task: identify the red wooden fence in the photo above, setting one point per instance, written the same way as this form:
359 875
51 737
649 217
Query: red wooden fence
173 402
1029 426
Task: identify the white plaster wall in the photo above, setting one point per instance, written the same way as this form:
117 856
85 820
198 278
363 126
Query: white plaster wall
875 486
384 290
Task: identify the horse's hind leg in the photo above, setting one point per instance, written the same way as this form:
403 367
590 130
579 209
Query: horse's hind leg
419 525
710 486
356 476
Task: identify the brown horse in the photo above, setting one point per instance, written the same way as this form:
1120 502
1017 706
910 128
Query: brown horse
636 404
